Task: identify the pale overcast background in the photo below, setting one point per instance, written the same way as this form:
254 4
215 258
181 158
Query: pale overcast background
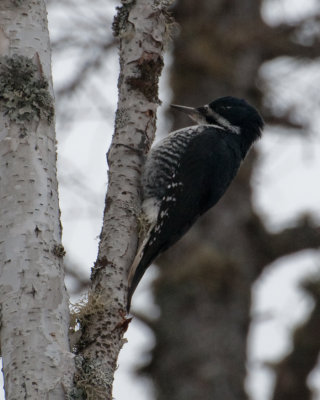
286 184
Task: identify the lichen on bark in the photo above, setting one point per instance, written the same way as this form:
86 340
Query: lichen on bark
24 94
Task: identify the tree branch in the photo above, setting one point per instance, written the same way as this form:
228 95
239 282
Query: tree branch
292 372
86 68
280 41
284 121
141 26
270 246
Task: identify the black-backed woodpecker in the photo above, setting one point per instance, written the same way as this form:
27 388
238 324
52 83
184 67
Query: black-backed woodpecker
187 172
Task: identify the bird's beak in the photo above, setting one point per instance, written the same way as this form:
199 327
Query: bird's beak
192 113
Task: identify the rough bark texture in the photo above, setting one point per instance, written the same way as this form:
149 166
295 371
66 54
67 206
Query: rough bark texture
205 286
37 363
142 29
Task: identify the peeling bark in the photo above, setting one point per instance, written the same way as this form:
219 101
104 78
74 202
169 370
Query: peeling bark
141 27
37 363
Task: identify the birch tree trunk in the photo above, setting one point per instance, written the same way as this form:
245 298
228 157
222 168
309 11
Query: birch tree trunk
37 363
141 27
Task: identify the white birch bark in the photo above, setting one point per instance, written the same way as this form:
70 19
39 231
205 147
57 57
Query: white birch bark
141 26
37 363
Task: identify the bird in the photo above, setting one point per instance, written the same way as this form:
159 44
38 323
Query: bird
187 172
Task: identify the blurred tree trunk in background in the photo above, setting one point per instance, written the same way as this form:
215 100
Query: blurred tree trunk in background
205 286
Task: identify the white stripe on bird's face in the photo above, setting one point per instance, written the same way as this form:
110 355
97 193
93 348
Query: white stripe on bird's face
222 121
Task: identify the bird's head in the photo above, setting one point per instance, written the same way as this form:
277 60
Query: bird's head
232 114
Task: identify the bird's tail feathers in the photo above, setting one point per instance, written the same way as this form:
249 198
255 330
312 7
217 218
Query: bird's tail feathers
137 269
